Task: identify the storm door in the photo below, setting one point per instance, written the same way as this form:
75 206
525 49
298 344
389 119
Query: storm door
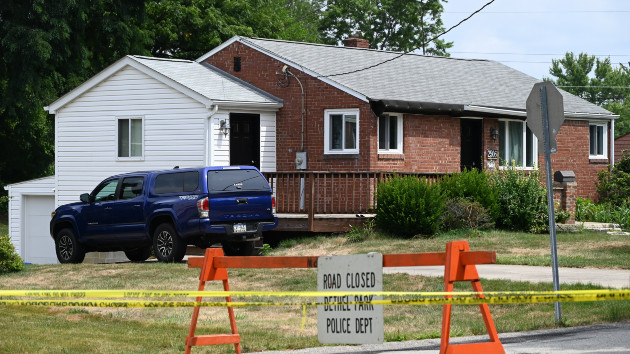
471 144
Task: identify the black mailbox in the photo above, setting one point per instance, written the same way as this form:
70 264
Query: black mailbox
564 176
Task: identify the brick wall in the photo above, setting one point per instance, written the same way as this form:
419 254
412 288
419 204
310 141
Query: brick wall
573 155
621 144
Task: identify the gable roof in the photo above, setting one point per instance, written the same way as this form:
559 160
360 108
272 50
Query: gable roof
201 82
416 83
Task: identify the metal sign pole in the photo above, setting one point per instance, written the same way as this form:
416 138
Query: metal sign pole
550 206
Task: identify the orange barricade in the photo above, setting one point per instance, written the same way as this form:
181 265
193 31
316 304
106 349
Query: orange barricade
458 261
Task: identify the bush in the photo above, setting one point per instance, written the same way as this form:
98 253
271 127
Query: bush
361 233
614 186
9 260
586 210
463 213
407 206
521 198
472 185
4 205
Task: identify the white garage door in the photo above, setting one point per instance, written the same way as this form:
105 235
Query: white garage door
39 247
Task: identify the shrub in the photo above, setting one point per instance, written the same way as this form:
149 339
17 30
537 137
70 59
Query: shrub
4 205
472 185
408 206
463 213
586 210
361 233
614 186
521 199
9 260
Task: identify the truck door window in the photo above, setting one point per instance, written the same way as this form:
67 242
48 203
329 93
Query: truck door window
106 192
131 187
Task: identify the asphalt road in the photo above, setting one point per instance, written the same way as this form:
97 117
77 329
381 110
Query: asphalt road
600 339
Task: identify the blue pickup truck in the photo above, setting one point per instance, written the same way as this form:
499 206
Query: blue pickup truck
162 212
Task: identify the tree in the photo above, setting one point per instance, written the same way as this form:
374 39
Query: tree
598 82
386 24
188 29
46 49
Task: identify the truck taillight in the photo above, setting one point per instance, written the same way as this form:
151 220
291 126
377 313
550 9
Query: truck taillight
203 206
273 205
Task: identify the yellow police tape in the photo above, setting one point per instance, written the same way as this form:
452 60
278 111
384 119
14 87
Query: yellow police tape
337 297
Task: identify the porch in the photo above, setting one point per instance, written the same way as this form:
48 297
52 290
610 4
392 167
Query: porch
328 201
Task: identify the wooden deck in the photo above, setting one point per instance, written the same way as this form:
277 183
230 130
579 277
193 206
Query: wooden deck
328 201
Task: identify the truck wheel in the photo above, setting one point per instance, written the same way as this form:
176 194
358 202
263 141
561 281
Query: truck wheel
68 248
168 246
239 248
139 254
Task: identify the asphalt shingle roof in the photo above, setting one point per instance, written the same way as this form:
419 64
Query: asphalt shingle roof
418 78
207 80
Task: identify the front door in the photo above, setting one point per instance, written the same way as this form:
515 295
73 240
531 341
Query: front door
471 144
245 139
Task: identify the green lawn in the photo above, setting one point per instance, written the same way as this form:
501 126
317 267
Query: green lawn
163 330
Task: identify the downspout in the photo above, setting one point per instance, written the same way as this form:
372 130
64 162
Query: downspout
213 110
612 143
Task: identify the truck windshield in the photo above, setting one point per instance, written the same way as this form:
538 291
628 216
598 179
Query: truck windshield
236 181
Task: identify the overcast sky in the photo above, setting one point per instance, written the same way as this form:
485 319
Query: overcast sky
532 32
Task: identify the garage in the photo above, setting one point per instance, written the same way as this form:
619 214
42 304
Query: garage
39 247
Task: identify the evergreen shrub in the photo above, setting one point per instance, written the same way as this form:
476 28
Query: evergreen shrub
408 206
9 260
474 186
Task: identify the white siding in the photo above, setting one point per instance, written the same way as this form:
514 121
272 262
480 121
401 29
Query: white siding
17 213
86 132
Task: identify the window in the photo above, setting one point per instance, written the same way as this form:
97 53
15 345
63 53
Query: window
177 182
598 136
390 137
106 191
130 137
236 181
341 131
131 187
517 144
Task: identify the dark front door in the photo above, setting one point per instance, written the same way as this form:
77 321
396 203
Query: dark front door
245 139
471 144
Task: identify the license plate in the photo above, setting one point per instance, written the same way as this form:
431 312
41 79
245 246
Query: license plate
240 228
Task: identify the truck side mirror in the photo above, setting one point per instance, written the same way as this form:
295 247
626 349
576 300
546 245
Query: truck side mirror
85 197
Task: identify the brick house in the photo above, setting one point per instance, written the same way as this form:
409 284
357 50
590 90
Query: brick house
622 146
408 113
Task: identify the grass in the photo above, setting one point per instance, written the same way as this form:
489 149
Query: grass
575 249
163 330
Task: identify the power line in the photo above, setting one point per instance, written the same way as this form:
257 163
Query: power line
540 54
401 54
544 12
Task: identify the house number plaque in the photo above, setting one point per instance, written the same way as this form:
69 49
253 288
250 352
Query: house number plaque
493 154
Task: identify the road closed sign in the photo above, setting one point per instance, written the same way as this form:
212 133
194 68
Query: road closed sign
339 321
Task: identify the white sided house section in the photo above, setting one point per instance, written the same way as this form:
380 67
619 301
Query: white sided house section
182 107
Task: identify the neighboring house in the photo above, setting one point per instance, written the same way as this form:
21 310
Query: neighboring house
143 114
622 146
294 109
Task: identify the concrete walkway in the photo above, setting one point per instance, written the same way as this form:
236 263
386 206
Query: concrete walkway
611 278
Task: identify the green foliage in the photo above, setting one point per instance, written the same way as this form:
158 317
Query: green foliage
4 205
386 24
361 233
614 186
586 210
266 249
9 260
409 206
464 213
521 198
598 82
474 186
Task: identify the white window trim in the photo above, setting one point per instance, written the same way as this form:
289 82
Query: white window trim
327 114
399 138
130 158
534 152
604 154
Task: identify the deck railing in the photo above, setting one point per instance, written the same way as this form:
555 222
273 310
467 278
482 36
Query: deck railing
331 192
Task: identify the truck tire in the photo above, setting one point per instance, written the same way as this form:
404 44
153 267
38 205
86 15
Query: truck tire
239 248
139 254
167 244
68 248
